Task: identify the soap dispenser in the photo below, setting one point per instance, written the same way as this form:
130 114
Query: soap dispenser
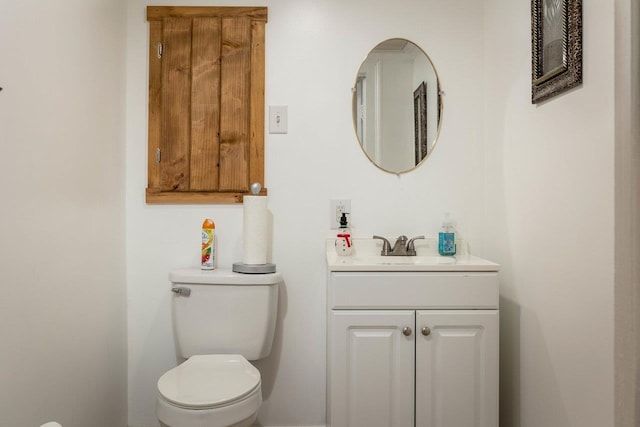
344 244
447 238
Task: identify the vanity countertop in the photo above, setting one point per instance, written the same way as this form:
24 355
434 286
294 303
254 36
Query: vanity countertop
366 257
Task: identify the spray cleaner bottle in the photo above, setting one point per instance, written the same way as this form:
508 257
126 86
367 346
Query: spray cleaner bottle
208 245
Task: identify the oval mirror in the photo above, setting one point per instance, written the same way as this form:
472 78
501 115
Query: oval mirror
396 106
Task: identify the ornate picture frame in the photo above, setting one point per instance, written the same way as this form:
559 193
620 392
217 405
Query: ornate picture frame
420 121
556 47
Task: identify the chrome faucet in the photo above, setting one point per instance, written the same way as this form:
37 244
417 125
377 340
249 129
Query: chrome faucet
402 247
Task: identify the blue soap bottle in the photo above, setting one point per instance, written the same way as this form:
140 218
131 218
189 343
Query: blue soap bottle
447 238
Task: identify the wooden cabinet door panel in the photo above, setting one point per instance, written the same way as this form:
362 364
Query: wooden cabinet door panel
234 114
206 103
176 104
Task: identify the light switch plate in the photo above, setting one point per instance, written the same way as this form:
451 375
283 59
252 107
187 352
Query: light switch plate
278 119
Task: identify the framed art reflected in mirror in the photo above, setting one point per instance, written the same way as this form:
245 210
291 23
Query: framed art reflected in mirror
556 47
420 121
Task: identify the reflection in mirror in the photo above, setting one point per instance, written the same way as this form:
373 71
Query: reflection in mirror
396 105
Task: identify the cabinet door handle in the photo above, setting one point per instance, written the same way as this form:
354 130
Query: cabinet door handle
426 331
406 331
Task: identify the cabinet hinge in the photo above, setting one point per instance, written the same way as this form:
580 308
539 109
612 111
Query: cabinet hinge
159 50
158 155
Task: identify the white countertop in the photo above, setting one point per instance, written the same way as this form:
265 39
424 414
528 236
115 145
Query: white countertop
366 257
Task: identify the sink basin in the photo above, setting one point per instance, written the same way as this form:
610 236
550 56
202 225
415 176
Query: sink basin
367 257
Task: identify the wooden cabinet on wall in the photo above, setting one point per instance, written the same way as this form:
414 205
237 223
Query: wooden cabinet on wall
206 103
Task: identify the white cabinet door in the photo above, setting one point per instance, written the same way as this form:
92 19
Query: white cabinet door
371 368
457 368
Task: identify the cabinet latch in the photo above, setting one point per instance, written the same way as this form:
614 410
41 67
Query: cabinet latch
159 50
158 155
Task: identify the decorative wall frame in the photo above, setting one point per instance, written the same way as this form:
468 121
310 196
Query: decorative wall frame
420 121
556 47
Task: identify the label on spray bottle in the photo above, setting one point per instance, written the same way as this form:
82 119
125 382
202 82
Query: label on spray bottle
208 245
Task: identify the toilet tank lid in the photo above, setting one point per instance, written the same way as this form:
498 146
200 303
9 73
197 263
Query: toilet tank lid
219 276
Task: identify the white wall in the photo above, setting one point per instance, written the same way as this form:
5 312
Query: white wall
62 310
550 181
314 49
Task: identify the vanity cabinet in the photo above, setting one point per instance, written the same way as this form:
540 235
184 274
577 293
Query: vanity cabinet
412 349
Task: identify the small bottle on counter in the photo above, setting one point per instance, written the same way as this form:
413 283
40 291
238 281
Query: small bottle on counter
344 244
447 238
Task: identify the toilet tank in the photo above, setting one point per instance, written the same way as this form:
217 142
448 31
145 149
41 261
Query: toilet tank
225 312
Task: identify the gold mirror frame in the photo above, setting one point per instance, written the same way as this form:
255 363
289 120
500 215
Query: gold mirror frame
418 98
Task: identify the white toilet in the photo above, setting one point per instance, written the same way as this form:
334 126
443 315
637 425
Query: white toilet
221 319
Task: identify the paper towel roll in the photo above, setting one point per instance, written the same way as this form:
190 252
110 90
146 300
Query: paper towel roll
255 237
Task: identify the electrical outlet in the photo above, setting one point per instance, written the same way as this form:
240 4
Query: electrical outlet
337 207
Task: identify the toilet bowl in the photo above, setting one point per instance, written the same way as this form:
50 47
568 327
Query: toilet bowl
210 391
222 320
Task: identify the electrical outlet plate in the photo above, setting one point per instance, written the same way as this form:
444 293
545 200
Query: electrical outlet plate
336 208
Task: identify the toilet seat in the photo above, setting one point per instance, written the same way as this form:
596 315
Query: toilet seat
209 381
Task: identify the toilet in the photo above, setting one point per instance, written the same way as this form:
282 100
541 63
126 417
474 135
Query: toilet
222 320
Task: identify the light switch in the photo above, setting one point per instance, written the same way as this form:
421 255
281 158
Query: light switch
278 119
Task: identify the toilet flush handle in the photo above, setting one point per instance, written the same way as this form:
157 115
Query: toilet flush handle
181 290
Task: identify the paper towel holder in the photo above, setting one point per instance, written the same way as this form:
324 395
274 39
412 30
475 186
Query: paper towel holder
241 267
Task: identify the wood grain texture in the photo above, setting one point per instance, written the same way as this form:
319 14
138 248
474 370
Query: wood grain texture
205 105
176 105
256 108
160 12
155 85
234 102
196 197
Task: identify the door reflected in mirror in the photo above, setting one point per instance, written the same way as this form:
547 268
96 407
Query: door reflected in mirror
397 109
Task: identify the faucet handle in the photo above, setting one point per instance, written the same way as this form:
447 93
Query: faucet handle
386 246
411 247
